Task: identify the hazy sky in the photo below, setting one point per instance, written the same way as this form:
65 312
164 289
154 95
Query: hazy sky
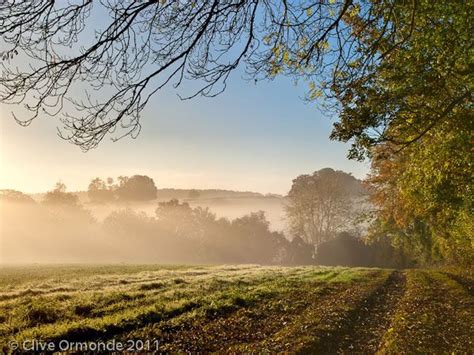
251 137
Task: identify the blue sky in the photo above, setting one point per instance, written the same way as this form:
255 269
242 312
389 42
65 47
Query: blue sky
255 137
251 137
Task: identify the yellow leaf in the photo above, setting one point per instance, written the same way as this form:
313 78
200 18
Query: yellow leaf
276 51
303 42
354 11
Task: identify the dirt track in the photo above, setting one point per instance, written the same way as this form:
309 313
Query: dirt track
320 316
365 326
378 317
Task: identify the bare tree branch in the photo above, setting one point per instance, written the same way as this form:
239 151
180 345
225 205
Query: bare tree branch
52 65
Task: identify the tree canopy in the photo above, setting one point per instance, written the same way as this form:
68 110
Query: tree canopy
322 204
423 86
136 187
101 191
59 197
15 196
422 173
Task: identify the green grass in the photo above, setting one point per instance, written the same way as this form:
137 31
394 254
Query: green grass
60 302
194 308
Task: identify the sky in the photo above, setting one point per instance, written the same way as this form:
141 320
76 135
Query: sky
253 137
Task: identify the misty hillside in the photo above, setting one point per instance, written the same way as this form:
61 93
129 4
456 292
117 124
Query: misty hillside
224 203
184 194
228 204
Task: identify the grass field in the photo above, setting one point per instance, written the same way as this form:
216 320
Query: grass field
240 308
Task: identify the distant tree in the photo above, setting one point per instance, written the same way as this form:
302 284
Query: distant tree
192 230
348 250
177 218
322 204
136 188
254 240
172 209
299 252
15 196
122 180
128 224
59 196
65 206
345 250
99 191
194 194
207 239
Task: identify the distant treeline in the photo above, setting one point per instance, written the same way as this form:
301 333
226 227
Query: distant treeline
60 229
143 188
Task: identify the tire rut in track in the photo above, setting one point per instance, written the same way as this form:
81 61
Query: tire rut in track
366 325
466 283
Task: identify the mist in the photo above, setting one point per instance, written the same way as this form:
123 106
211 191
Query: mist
35 232
132 221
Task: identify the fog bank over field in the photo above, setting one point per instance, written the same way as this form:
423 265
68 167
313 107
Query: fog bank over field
130 220
223 203
178 226
153 232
